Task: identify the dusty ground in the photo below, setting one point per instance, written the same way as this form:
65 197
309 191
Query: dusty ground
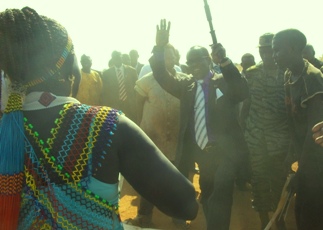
243 216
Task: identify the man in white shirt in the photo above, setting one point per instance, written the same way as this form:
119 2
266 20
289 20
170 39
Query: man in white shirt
147 69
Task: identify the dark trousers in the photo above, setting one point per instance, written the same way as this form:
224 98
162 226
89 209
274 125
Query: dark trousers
217 175
309 198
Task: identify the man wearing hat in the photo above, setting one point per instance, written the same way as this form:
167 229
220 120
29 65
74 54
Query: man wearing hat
266 131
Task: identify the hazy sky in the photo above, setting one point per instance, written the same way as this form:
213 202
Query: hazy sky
98 27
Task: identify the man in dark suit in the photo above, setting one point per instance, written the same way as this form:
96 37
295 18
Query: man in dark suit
134 60
118 87
218 154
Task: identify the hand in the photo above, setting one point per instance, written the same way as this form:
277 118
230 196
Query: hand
162 34
318 133
218 53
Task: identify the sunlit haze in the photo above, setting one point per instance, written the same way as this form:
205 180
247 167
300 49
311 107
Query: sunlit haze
99 27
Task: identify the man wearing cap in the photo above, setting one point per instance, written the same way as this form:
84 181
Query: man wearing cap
266 130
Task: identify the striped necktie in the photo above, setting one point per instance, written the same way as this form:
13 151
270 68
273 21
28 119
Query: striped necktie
122 88
199 118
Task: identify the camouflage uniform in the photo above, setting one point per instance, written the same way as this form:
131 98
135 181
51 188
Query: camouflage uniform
266 132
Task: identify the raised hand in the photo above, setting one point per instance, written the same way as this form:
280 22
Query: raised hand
218 53
162 33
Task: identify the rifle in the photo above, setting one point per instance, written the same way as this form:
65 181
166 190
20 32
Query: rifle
209 18
283 205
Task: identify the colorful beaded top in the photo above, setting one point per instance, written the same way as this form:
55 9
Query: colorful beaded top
55 194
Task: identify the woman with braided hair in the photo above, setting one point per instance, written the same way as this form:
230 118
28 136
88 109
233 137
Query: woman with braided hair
60 159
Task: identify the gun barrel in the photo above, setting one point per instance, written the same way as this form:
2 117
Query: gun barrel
209 18
208 12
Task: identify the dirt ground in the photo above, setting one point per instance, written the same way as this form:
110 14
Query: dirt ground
243 216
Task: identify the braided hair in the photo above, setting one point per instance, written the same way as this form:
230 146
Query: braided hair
35 51
31 45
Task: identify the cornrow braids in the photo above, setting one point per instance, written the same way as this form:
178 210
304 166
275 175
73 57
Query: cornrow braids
33 49
42 41
22 39
6 27
31 45
14 25
20 44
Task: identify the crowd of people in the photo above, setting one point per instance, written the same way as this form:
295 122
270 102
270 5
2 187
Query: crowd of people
67 133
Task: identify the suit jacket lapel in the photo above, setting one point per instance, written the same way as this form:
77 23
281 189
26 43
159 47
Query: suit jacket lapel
125 77
115 77
211 100
125 72
191 91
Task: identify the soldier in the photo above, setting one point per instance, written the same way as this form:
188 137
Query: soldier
243 177
266 130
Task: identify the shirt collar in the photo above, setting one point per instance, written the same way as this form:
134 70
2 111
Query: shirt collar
119 68
206 79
